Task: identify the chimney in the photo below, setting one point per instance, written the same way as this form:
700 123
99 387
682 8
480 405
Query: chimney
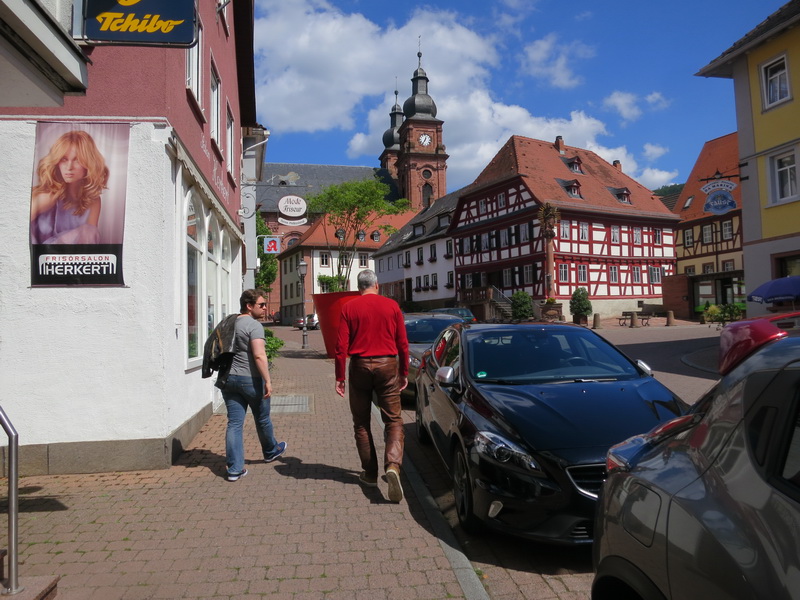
559 144
617 165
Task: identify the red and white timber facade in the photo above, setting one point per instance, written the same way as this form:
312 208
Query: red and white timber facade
613 236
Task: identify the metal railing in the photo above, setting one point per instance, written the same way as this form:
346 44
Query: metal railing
13 505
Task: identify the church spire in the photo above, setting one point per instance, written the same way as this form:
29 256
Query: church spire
419 105
391 137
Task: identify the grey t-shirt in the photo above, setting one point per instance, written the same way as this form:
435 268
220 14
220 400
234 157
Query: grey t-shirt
247 328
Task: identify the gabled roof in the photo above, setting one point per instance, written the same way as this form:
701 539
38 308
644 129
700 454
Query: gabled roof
404 237
281 179
544 171
718 156
785 17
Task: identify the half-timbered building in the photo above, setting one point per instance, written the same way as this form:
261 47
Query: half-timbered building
708 241
610 234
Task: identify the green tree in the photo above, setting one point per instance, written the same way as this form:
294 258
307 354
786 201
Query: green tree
521 305
267 271
668 190
349 208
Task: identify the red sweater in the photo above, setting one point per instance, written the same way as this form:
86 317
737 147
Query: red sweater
371 325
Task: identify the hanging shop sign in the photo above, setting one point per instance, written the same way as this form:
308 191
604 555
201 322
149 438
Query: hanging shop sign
292 211
719 200
77 217
140 22
272 244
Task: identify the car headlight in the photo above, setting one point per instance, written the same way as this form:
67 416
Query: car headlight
503 451
414 361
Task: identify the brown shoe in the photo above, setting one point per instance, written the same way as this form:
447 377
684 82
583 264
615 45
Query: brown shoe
366 480
395 489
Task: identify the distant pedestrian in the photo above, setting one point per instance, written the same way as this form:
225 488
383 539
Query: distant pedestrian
248 384
372 332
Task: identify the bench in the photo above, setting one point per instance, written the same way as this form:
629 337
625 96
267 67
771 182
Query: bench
641 316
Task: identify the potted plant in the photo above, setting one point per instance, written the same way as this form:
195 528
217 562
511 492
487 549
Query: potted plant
580 306
521 306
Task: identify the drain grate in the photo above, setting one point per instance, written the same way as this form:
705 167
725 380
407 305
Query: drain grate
290 404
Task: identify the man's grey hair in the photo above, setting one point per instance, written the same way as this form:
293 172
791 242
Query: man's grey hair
367 279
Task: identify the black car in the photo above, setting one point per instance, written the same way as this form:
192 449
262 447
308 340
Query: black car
522 416
708 505
421 330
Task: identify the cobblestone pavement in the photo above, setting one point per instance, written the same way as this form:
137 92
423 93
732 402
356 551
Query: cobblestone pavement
298 528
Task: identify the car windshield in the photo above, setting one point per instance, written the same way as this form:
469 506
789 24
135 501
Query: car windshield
540 355
424 330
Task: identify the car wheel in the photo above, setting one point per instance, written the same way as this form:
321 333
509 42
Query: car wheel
422 434
462 494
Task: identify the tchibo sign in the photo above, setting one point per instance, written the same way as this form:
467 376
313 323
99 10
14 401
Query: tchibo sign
292 211
140 22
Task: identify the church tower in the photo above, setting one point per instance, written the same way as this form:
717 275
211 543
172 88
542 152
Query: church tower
391 140
421 162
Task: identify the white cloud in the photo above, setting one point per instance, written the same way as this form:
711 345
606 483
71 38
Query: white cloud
655 178
657 101
625 104
552 60
654 151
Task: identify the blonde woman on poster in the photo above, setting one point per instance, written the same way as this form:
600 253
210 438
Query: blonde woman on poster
65 202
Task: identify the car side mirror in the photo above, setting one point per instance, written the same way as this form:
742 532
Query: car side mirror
446 376
645 367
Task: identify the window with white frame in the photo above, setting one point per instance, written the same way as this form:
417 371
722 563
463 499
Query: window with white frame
448 247
503 238
324 259
484 241
637 235
708 267
399 261
501 200
784 177
194 255
225 278
583 274
727 230
482 206
194 67
775 82
615 234
418 282
524 232
450 278
527 273
637 274
564 230
426 282
584 235
434 280
688 237
344 259
216 100
613 274
689 270
655 274
363 260
213 257
563 273
229 140
389 263
508 278
708 234
432 252
728 265
408 257
657 237
420 254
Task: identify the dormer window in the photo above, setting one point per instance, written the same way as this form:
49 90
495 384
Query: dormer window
444 220
622 194
573 188
574 164
688 202
376 236
419 230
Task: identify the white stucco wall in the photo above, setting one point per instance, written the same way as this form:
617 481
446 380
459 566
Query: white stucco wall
99 363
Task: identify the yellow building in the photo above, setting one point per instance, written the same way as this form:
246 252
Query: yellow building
765 68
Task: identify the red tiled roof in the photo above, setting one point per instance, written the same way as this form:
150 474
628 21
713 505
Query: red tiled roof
545 171
718 155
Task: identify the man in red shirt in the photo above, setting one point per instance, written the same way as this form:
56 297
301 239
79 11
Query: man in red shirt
373 333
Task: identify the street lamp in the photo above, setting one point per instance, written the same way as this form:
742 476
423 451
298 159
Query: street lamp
302 269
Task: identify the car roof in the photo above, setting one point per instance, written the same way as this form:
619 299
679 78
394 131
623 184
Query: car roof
740 339
431 315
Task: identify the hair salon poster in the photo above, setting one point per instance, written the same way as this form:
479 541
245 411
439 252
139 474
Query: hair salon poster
77 217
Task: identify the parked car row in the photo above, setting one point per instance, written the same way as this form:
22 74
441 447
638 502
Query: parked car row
310 322
542 429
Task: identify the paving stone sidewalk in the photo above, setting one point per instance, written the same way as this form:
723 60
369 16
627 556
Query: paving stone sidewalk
300 528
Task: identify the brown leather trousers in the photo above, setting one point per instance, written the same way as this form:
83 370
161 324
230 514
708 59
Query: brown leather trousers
378 376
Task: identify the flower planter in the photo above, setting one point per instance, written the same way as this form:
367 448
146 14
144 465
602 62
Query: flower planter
329 312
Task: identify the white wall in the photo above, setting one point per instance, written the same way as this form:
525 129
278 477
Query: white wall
86 364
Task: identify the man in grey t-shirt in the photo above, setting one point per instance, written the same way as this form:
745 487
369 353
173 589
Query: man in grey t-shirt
249 384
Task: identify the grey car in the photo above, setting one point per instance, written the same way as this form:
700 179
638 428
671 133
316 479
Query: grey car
422 329
465 313
708 505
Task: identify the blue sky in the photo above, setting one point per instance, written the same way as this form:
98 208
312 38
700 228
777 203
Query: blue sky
615 77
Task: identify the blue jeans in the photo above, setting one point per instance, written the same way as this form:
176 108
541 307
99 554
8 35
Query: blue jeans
240 392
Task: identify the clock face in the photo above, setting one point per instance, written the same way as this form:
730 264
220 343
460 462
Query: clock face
425 139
